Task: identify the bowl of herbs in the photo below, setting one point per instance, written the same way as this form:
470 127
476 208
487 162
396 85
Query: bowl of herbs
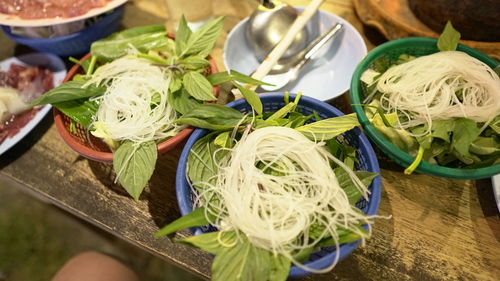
120 103
431 105
276 185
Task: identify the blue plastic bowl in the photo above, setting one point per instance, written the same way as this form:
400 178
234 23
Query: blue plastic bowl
271 102
73 44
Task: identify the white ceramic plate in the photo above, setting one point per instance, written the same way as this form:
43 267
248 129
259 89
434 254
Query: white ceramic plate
324 78
52 62
12 20
495 181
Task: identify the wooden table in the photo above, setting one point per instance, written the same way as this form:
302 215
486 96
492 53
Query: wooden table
440 229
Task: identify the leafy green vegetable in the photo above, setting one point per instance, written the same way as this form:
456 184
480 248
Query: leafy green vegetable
233 75
212 117
224 139
201 165
81 111
348 185
282 112
181 101
456 143
143 38
209 242
194 63
134 164
465 132
247 262
484 146
442 129
195 218
241 260
329 128
202 41
448 40
251 97
70 90
345 236
198 86
182 36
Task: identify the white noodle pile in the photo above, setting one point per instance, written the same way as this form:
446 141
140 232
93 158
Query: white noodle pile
276 212
425 89
134 106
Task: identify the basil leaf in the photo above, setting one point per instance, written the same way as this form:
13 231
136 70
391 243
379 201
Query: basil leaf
198 86
347 184
81 111
280 267
497 70
282 112
143 38
342 151
214 111
212 117
219 78
182 36
345 236
209 242
484 146
201 165
195 218
424 141
175 84
448 40
465 132
251 97
298 119
70 90
224 139
194 63
495 125
243 261
202 41
329 128
304 254
442 129
181 101
233 75
134 164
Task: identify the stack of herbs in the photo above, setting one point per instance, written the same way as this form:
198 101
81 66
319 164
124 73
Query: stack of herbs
459 142
236 256
183 64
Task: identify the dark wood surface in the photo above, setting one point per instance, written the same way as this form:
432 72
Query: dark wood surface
439 229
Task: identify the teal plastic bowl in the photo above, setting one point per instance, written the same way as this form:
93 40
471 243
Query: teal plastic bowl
390 51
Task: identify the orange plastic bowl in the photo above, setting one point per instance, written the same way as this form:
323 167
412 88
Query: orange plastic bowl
92 147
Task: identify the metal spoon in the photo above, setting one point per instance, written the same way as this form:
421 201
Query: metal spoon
267 26
288 70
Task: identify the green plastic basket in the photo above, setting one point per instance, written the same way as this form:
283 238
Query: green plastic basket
390 51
